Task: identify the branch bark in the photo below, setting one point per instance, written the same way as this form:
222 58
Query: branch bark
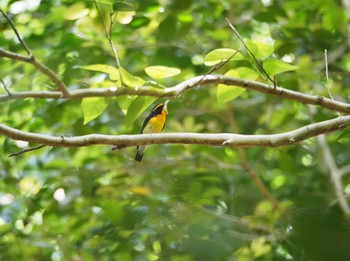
221 139
184 86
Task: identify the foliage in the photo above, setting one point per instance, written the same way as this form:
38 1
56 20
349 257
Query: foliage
181 202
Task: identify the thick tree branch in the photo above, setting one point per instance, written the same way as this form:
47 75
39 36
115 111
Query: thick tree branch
86 93
222 139
184 86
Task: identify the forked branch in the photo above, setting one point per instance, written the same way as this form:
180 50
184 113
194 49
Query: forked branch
31 59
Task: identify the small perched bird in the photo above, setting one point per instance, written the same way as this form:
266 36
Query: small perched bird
154 123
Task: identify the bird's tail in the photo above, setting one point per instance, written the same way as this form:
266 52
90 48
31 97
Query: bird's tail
139 153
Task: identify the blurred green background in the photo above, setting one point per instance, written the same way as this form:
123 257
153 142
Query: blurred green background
182 202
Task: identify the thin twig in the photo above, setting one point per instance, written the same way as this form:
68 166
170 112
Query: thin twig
109 37
260 68
22 42
31 59
26 150
113 18
41 67
5 87
327 76
335 176
217 67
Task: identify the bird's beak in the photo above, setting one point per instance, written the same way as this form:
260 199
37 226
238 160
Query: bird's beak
166 106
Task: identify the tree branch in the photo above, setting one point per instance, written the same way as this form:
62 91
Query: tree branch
31 59
221 139
344 171
21 41
5 87
263 88
26 150
184 86
41 67
334 174
109 38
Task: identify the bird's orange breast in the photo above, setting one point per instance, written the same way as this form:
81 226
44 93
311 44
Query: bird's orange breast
156 123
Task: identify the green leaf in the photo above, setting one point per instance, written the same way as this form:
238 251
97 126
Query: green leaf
334 20
122 7
139 21
128 79
136 108
104 68
259 49
345 134
225 93
220 55
93 107
124 102
260 247
161 72
274 66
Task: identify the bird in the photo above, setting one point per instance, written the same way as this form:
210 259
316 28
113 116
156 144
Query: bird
154 123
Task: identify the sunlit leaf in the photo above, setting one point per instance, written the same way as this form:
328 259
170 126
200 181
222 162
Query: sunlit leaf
227 93
128 79
258 48
161 72
93 107
104 68
124 103
260 247
220 55
125 17
105 2
274 66
76 11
